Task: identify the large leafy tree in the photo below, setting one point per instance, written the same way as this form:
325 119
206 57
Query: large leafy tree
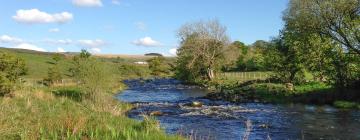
234 53
326 32
336 19
285 59
201 50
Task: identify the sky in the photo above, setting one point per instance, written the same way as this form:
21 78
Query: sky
129 26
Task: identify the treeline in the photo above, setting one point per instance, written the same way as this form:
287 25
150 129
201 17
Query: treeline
320 38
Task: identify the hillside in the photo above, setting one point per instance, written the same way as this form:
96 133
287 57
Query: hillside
39 62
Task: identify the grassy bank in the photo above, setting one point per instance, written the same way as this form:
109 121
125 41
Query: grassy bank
63 113
69 110
245 90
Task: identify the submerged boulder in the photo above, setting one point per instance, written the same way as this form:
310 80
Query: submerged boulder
156 113
196 104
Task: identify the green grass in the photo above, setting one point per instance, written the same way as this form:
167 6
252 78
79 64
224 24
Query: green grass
37 114
264 91
35 111
347 105
38 63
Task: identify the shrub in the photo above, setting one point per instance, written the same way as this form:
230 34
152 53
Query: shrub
11 68
92 75
5 85
54 72
158 66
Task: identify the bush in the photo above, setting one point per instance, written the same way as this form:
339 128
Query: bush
11 68
92 75
133 71
54 73
158 66
5 85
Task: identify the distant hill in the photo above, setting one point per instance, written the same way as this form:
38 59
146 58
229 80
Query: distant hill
153 54
39 62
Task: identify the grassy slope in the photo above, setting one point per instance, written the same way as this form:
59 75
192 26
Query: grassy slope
36 112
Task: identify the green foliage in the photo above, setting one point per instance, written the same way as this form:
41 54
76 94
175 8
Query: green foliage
233 53
54 72
6 86
254 60
71 93
286 60
346 105
129 71
158 66
310 87
201 50
326 34
336 19
11 68
92 75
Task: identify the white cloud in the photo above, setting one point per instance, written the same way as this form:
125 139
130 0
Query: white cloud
10 39
29 47
61 50
88 3
173 51
92 43
140 25
95 50
147 42
59 42
34 16
116 2
54 30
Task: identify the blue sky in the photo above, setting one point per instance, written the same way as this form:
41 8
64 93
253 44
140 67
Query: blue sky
129 26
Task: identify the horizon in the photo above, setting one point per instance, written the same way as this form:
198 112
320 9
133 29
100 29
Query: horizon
129 27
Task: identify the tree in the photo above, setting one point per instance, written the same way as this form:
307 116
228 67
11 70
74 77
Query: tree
11 68
337 19
158 66
232 54
201 50
54 72
285 58
92 75
326 33
256 59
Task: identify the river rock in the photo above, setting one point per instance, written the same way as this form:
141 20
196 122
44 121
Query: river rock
289 86
156 113
196 104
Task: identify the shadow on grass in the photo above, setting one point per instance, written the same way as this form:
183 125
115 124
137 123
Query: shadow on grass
73 94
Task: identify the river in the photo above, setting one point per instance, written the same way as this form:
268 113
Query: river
222 120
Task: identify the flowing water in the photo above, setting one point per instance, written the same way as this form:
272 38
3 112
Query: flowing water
222 120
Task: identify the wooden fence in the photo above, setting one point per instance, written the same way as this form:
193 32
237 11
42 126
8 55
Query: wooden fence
243 76
40 82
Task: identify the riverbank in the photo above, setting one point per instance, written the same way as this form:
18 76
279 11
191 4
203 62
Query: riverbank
310 93
65 113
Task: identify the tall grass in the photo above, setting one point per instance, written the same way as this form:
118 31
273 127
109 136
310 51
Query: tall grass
38 114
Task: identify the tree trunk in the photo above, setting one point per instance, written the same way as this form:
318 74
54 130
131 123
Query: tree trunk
292 76
210 73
